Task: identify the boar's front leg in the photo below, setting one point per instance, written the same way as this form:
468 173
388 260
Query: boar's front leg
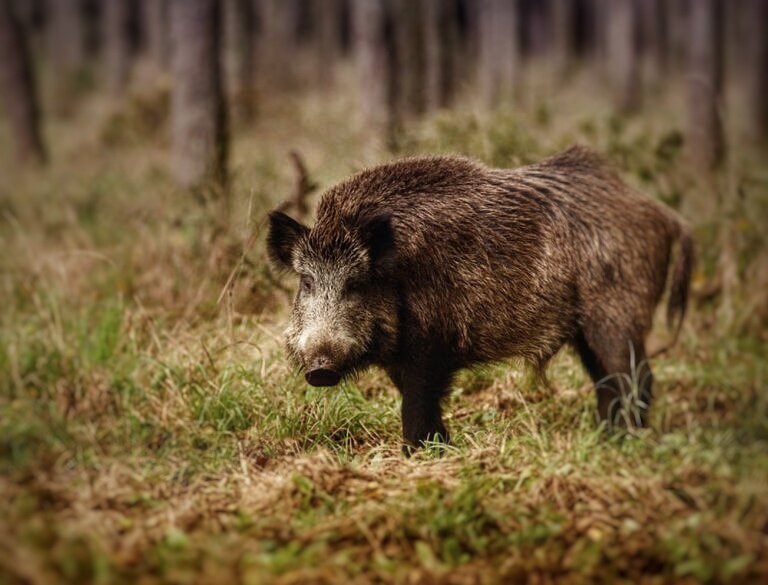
422 387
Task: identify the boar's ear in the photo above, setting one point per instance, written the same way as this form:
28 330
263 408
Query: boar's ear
284 232
377 233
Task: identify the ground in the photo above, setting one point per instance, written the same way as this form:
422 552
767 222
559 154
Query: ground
152 430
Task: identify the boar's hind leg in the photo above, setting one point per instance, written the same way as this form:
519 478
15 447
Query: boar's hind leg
623 379
421 389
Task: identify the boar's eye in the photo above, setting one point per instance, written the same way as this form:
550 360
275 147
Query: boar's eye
307 284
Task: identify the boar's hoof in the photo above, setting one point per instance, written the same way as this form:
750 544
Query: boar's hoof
438 449
323 377
436 441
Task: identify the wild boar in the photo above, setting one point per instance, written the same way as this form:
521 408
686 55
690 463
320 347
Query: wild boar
427 265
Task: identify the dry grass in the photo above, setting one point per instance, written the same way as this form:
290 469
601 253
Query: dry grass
151 430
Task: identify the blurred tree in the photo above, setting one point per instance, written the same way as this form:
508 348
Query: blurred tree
408 31
498 49
593 26
327 18
757 65
371 45
197 107
18 87
441 39
116 43
623 53
469 30
238 38
66 44
653 38
705 81
534 27
31 13
154 23
677 17
278 25
563 27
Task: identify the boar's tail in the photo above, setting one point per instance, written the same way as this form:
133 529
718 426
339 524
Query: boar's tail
681 281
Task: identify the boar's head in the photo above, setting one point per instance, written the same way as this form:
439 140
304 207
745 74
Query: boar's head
345 311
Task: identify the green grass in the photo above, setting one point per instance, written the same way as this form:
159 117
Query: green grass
151 429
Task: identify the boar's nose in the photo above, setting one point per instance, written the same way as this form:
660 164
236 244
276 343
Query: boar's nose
321 373
323 377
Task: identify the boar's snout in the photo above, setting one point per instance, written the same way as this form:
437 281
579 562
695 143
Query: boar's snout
322 373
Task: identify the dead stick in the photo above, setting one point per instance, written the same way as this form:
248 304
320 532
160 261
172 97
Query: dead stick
303 188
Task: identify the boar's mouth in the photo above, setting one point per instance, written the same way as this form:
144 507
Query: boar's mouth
323 377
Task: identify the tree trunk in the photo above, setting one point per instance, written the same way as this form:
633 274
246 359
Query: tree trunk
238 57
470 28
677 16
536 34
31 15
408 32
594 38
116 44
197 108
18 87
623 54
705 80
327 16
67 39
276 50
653 38
563 27
373 60
154 15
757 69
440 52
498 50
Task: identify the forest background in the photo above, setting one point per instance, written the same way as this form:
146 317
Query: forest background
151 429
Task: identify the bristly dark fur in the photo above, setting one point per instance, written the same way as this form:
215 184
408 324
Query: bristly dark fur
485 264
